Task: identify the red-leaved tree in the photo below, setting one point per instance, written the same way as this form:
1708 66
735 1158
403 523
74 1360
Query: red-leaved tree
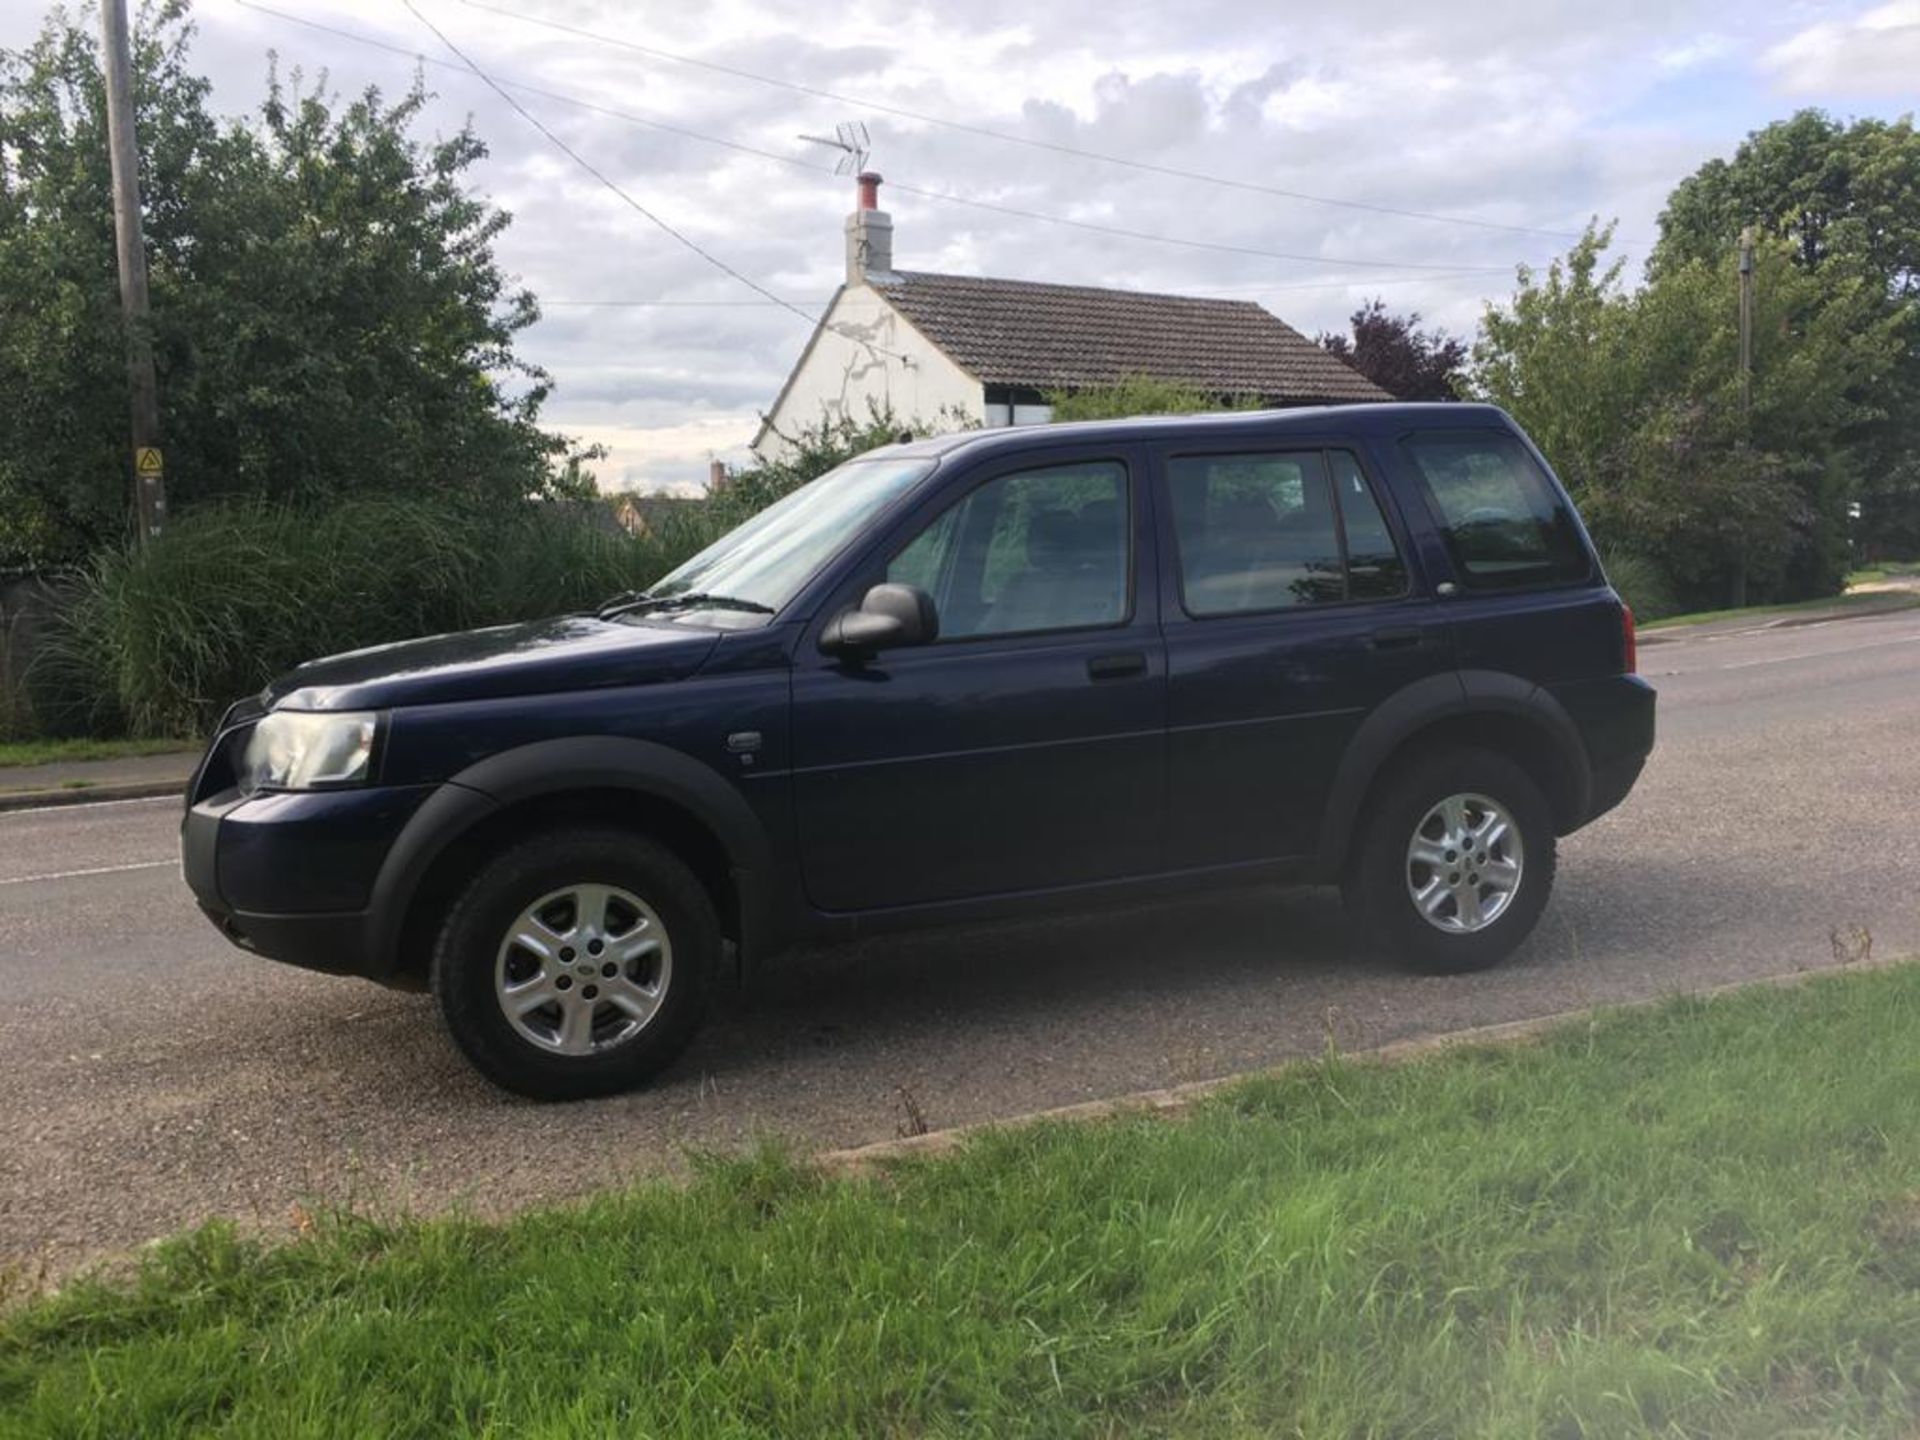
1397 355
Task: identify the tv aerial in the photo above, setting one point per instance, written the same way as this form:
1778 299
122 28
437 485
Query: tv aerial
850 139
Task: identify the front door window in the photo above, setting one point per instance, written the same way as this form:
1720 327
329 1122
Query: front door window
1033 551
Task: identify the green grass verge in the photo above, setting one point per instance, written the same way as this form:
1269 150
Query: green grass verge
1881 600
53 752
1702 1219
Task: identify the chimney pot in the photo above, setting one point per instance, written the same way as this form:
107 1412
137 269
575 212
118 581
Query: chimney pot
869 234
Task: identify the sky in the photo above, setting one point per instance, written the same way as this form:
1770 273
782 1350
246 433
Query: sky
1459 140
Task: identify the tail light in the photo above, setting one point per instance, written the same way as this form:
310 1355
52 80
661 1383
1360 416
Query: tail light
1629 646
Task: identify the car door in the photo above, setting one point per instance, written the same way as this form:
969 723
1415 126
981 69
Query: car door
1292 610
1025 748
1528 599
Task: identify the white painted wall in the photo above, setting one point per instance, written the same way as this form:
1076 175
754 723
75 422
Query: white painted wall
896 366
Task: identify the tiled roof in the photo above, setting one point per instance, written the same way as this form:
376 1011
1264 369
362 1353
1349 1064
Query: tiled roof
1070 337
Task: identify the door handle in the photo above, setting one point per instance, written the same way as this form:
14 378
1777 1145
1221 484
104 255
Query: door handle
1397 637
1117 666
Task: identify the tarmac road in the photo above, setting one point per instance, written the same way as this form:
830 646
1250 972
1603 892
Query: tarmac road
155 1077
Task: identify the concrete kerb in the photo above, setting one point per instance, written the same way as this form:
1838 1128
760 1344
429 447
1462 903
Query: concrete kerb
1661 633
88 794
1174 1099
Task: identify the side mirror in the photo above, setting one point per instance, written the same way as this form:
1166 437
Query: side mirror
889 616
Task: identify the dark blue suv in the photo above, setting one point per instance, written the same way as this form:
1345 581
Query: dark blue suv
985 674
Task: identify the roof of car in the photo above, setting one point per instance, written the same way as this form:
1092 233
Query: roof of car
1317 418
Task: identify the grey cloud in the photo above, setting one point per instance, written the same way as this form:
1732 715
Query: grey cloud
1507 110
805 61
1242 108
1155 112
1875 54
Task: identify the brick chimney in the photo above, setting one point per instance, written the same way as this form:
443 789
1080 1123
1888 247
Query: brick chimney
869 234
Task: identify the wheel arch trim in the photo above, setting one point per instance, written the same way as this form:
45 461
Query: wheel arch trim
1424 704
552 767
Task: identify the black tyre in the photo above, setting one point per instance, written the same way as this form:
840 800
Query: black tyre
577 963
1454 862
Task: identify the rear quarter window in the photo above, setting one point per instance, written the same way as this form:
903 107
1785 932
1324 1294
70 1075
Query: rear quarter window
1504 523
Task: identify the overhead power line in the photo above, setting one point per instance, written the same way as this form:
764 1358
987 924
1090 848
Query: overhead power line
1008 136
499 86
1216 292
1219 246
410 53
635 205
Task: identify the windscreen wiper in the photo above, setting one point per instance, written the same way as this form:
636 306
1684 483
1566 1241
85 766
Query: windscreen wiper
694 600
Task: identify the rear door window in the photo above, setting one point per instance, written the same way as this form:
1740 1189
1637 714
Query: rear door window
1504 523
1270 531
1375 570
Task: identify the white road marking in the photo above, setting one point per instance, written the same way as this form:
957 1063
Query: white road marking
96 870
1818 654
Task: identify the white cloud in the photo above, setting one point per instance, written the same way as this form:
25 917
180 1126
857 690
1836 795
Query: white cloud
1691 54
1875 54
669 457
1517 112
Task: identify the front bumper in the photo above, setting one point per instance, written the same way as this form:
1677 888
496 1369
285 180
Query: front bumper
293 877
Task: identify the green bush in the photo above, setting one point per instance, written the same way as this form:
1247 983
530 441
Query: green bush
158 641
1142 395
1641 583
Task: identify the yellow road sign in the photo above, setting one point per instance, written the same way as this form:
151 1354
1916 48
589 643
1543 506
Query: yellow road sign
146 460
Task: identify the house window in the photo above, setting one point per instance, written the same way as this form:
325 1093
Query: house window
998 413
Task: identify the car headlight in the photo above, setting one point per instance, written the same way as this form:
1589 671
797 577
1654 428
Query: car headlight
303 749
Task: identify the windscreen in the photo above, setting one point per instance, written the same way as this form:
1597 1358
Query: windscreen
769 558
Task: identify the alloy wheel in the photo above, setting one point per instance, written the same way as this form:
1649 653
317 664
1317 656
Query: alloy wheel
1464 864
583 969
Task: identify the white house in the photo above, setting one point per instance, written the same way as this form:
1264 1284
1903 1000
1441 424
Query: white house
934 348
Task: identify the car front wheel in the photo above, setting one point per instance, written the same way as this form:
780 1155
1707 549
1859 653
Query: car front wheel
577 963
1455 862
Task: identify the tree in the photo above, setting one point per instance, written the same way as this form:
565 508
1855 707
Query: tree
1636 398
328 315
1845 199
1842 193
1555 357
1397 355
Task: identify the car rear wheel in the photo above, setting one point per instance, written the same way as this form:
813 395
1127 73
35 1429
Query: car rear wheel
1455 862
577 963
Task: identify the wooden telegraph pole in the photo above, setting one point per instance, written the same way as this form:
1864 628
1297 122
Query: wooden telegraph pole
149 484
1746 329
1737 595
